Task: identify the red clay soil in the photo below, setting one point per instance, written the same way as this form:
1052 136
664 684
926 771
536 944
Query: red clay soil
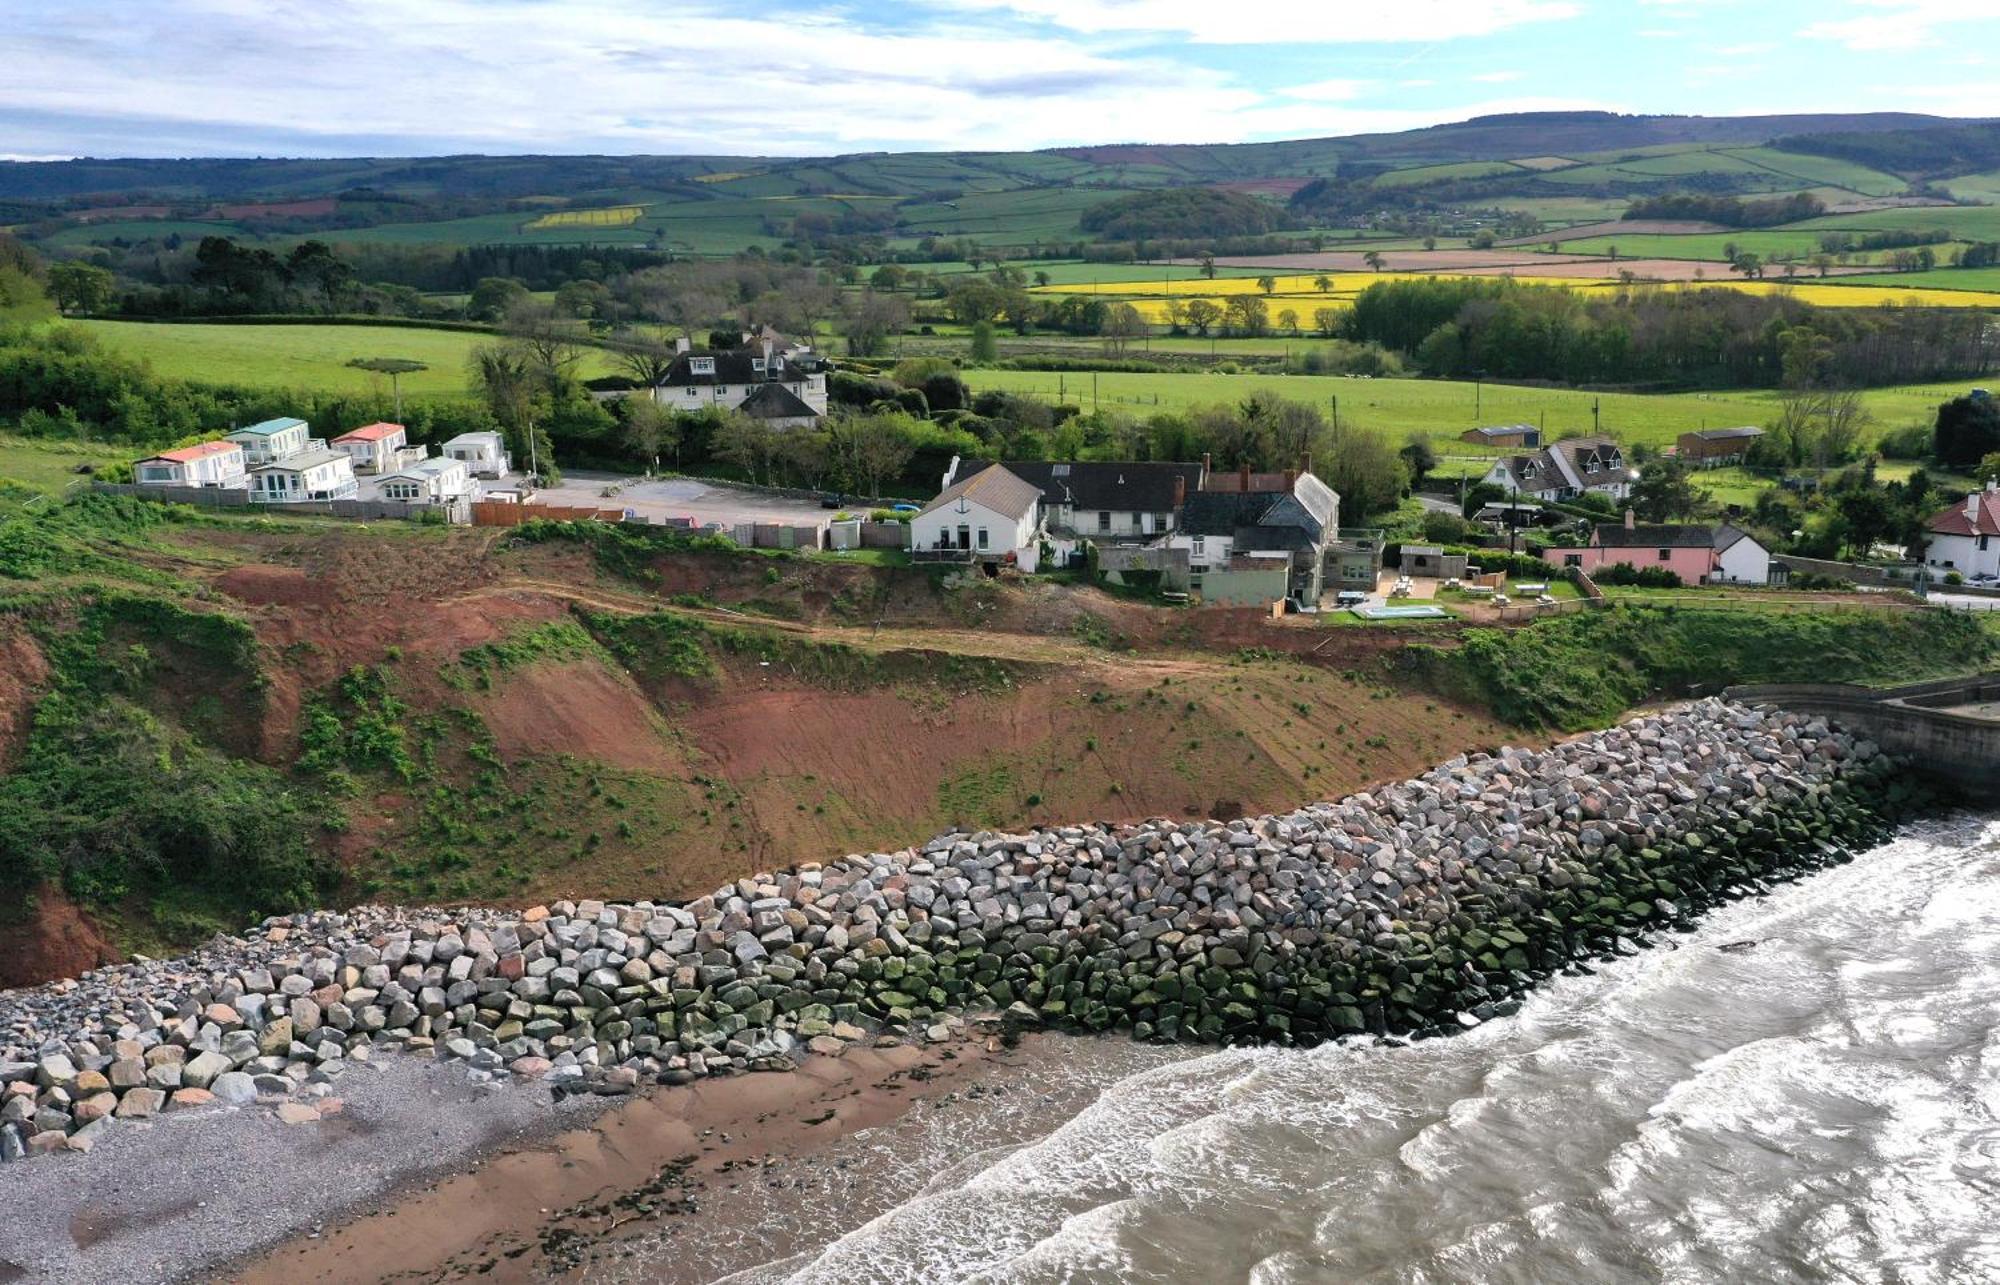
579 708
262 585
54 940
23 671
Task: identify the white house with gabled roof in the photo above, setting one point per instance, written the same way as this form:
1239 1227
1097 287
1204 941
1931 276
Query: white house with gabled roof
274 439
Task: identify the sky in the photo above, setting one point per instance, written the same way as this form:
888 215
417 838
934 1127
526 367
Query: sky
426 77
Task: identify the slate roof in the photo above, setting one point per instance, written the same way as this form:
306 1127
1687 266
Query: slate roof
189 454
1144 486
1955 520
1505 430
1725 434
733 366
775 401
371 433
993 487
1649 535
1727 537
1297 519
271 427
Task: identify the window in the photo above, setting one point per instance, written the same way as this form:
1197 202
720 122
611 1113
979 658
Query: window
1103 520
984 543
1666 555
1200 546
1572 559
701 365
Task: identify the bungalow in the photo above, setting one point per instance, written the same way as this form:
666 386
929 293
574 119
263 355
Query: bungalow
1966 537
217 464
312 475
374 448
1715 447
1101 500
274 439
434 481
1564 470
1687 551
1217 527
991 516
1503 435
726 378
484 453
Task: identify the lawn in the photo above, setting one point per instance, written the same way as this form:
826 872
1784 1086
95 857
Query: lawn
49 467
303 356
1444 408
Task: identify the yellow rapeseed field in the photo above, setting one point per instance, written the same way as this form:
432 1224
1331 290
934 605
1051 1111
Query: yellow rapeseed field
613 216
1301 292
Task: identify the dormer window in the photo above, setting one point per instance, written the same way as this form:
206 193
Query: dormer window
757 364
701 365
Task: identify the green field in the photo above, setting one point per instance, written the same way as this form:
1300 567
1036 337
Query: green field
1936 279
1444 408
49 468
303 356
1965 222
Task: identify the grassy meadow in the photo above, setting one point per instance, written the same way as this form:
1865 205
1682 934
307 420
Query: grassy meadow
1441 409
303 356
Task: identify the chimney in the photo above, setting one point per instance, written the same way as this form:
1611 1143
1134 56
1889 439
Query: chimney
1207 464
1631 520
1180 489
681 344
1972 507
1993 484
1245 476
1306 462
1291 476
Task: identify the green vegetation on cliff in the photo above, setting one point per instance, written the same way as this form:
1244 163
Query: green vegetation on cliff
1585 670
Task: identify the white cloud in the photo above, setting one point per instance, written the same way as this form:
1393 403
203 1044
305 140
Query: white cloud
1496 77
1264 23
1901 24
345 77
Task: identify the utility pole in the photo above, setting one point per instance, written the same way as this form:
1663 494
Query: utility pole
534 464
1596 425
1478 399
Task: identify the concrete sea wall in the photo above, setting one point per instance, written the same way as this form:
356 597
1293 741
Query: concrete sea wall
1421 907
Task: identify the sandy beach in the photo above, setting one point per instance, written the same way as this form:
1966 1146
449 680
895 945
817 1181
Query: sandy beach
550 1206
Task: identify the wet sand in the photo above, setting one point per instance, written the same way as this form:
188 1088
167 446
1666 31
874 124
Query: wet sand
556 1206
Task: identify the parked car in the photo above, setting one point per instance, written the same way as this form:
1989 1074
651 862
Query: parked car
832 500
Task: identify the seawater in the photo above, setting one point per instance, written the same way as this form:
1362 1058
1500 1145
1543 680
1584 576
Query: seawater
1807 1088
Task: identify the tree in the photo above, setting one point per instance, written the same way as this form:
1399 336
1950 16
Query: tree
1323 283
749 443
1664 491
889 277
1327 321
1288 321
872 448
1248 314
984 347
1269 285
1374 260
871 319
1208 266
975 300
649 428
549 339
1175 311
80 287
1967 430
1430 243
1122 324
1365 471
647 358
1419 458
395 368
492 296
583 300
1202 315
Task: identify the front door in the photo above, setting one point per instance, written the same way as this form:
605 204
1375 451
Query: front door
965 537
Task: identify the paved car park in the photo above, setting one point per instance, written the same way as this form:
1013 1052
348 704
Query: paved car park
691 498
